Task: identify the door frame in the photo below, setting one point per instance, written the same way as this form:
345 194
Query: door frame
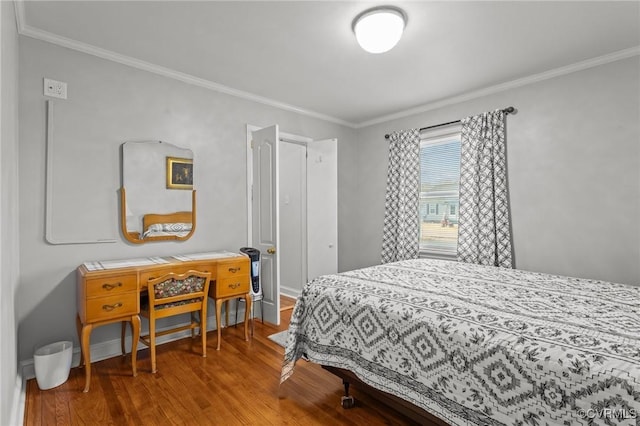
283 136
289 137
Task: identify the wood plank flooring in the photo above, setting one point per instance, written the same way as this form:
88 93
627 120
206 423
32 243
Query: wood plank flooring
286 302
238 385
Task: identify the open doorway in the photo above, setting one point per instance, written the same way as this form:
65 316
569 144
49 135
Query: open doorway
292 210
293 217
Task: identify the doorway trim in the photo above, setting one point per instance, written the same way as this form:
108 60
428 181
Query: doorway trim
284 136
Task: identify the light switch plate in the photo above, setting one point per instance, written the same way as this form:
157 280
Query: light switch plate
56 89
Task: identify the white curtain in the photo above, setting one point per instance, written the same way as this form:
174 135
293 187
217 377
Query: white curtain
401 232
484 225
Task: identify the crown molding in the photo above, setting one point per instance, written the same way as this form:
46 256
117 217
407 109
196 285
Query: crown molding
28 31
18 7
557 72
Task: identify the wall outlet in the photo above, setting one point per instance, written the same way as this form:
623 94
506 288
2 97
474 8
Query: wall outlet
56 89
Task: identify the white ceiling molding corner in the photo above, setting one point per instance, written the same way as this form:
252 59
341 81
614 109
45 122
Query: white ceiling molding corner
19 11
578 66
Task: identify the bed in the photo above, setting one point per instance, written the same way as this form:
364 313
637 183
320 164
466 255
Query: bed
169 226
477 345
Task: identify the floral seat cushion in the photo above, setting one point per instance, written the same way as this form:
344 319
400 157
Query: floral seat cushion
173 287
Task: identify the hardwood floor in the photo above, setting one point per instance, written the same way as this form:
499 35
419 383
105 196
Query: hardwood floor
238 385
286 302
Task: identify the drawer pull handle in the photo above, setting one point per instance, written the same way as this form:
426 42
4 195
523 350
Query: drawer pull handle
110 287
234 270
234 286
112 307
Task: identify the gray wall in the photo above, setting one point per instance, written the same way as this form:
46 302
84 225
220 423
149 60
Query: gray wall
8 212
111 104
572 148
573 170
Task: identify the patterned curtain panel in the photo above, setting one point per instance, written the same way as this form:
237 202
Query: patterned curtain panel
484 228
401 232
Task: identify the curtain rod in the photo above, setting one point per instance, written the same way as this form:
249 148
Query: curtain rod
508 110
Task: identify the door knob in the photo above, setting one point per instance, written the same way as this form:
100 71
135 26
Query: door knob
271 250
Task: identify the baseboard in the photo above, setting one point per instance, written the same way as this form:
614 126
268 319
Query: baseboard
111 348
28 368
19 400
290 292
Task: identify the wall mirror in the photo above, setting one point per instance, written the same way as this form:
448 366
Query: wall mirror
157 197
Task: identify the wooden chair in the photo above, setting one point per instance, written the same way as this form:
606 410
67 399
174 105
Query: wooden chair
174 294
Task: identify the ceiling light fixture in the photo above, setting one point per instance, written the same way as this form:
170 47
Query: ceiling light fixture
379 29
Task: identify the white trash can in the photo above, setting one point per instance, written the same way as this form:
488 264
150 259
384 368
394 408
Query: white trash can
52 363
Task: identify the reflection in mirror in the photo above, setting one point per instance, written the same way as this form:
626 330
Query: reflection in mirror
157 195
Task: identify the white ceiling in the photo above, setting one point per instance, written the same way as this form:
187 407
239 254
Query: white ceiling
302 55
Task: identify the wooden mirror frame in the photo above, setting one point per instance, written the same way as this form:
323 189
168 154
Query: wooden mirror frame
149 219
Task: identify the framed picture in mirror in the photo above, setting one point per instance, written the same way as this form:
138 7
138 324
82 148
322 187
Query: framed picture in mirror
179 173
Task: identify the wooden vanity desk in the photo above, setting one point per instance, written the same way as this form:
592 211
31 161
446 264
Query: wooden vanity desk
109 291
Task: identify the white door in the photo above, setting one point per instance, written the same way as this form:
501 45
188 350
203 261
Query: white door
265 216
322 208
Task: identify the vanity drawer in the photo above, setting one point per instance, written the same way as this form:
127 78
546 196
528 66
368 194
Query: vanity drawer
117 305
228 287
233 269
99 287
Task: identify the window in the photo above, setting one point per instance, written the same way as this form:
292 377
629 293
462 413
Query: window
439 188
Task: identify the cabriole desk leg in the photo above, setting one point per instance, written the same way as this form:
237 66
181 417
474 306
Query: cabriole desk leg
86 354
219 320
135 336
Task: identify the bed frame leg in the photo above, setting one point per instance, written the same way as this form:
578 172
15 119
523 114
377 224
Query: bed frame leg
346 401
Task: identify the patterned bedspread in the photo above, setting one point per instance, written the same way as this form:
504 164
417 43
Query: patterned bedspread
478 345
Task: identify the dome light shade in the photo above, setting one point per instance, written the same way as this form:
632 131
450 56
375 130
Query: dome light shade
379 29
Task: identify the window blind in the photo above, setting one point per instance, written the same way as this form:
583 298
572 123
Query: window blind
439 188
